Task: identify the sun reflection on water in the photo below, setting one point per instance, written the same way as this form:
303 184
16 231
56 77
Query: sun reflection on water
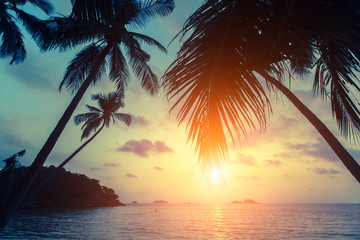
218 221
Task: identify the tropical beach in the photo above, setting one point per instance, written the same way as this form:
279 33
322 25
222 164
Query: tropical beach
216 119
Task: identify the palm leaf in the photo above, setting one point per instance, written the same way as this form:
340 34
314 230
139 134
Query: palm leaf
148 40
138 61
90 126
150 9
37 28
216 90
12 42
89 63
80 118
126 118
44 5
67 33
119 72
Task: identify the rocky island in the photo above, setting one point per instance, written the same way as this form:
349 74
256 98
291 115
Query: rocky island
64 190
246 201
160 201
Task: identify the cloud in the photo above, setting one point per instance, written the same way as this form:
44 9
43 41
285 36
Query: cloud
323 171
297 146
160 147
95 169
129 175
31 73
139 120
286 176
11 142
244 159
111 164
253 178
319 150
272 162
158 168
144 147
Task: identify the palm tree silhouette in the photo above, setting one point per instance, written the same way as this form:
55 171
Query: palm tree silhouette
12 44
103 23
7 182
12 162
234 44
95 118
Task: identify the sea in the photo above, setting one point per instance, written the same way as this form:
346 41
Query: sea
189 221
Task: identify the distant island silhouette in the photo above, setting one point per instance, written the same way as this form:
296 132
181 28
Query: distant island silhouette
160 201
246 201
65 190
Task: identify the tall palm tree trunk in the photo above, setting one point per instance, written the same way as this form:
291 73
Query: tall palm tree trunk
33 192
349 162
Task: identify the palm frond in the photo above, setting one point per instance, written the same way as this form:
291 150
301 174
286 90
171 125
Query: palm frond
90 126
88 63
138 61
12 42
94 109
119 72
67 33
336 67
44 5
80 118
148 40
126 118
217 91
37 28
92 10
150 9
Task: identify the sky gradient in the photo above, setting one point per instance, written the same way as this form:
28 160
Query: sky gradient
151 159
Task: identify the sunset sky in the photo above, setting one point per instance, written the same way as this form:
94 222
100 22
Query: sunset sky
151 159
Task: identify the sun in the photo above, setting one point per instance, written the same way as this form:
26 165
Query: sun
215 174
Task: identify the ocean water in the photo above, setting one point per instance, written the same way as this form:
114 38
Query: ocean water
190 221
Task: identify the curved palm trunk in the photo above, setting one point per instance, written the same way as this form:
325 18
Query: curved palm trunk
32 193
7 209
349 162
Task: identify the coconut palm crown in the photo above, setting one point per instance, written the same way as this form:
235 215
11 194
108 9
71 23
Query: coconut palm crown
12 43
103 115
104 25
231 43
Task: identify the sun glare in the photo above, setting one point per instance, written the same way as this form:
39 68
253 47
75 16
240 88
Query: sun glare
215 174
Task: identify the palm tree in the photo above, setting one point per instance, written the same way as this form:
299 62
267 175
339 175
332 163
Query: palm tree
102 116
104 24
12 162
12 44
234 44
7 181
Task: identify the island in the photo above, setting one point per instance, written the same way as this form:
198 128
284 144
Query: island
246 201
64 190
160 201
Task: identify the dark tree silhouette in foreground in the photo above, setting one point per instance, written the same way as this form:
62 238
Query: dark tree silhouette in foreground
12 43
233 45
